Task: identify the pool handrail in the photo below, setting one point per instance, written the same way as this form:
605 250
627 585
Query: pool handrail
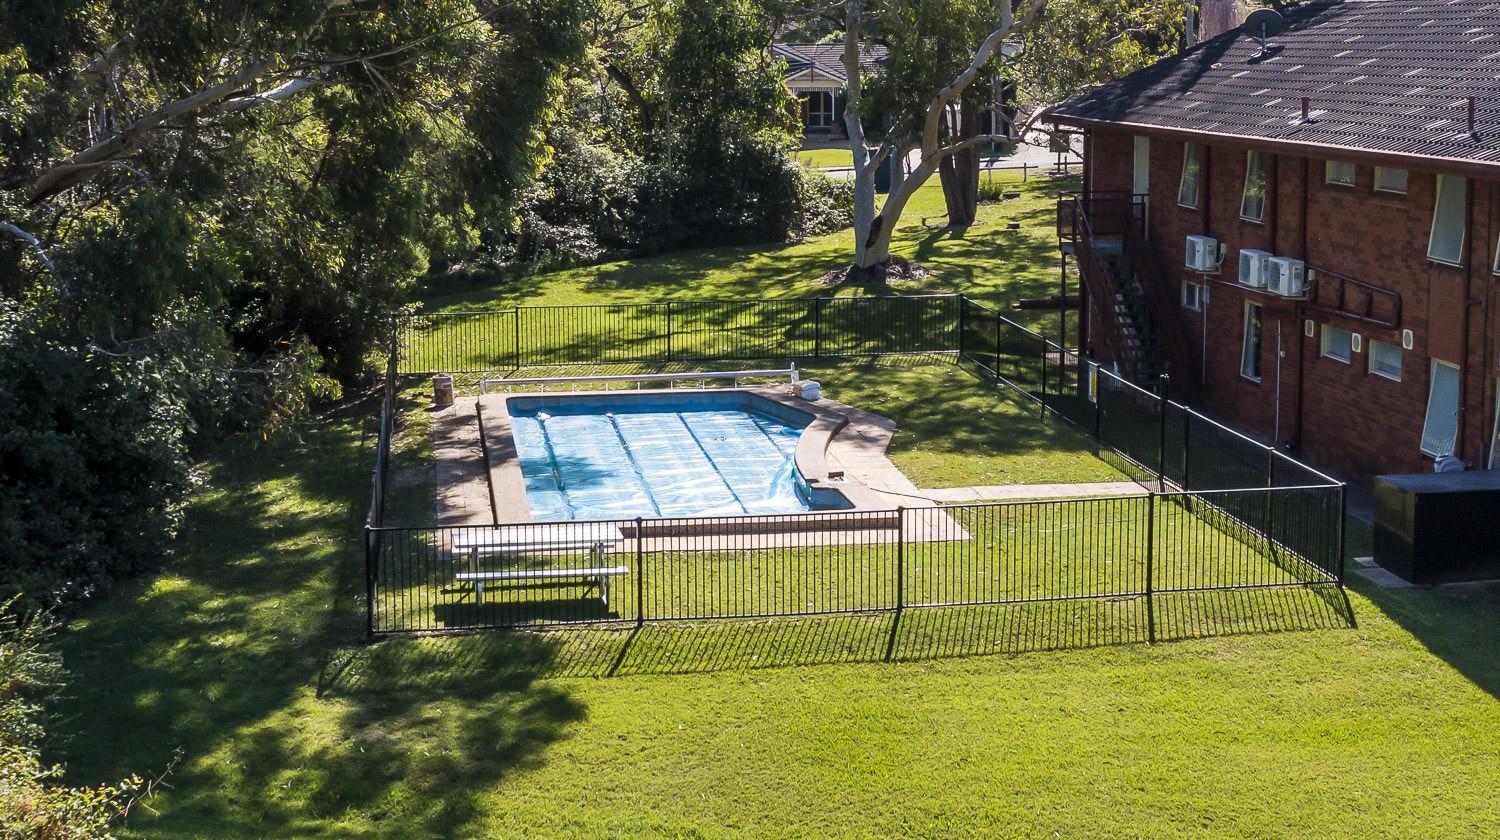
736 375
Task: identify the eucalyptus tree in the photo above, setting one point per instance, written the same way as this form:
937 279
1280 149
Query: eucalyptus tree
288 165
947 63
208 211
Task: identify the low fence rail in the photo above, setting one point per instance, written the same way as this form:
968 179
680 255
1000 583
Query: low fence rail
677 331
1227 512
1130 547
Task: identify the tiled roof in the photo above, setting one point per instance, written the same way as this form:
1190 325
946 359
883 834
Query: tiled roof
1382 76
827 59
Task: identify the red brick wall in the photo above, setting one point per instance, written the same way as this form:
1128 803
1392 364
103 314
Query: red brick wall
1338 415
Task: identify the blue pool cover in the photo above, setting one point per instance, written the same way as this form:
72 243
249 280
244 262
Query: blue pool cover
648 460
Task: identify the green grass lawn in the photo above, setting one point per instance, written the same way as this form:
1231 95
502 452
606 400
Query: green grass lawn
1262 714
826 157
986 261
242 654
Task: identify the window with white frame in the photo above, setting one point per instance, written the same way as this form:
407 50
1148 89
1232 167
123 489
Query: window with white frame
1337 343
1192 295
1446 244
1253 200
1339 172
1390 180
1440 430
1250 345
1385 360
1192 169
1497 256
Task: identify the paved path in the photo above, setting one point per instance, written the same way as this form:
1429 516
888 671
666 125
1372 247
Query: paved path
462 479
1006 492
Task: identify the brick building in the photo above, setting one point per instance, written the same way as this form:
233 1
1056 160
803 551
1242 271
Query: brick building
1359 146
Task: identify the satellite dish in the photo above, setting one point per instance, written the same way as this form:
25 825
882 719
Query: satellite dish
1263 24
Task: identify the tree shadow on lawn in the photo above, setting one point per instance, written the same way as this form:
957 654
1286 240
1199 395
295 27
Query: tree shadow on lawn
917 634
222 654
1458 624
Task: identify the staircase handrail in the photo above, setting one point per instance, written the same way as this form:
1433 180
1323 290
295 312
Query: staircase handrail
1164 304
1097 277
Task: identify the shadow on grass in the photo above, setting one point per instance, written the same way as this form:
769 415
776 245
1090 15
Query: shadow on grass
1459 624
403 665
229 651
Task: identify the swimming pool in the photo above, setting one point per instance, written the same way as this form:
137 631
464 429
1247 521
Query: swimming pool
623 458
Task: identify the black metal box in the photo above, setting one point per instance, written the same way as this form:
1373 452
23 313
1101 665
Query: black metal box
1439 528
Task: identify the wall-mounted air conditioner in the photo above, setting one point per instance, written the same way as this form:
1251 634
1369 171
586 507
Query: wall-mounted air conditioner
1254 267
1202 253
1356 343
1408 339
1286 277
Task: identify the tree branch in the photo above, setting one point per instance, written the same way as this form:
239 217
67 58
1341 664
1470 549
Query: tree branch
36 247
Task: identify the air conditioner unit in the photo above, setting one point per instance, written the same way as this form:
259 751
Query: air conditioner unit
1408 339
1286 277
1253 267
1356 343
1202 253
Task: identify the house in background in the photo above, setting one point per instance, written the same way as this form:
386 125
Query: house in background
1304 234
815 75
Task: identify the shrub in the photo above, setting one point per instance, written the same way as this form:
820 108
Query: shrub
94 460
32 804
825 205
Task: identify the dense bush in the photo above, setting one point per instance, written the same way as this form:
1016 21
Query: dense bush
32 802
594 203
825 205
93 454
584 207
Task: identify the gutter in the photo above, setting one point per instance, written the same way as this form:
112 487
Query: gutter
1464 167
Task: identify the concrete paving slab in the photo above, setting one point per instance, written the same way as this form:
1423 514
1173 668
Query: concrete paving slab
1007 492
460 473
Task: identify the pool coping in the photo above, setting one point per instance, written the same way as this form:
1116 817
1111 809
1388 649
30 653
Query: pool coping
830 421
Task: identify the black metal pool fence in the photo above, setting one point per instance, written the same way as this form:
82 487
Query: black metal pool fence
1225 513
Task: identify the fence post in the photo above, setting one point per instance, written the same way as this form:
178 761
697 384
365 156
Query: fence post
1161 452
818 327
669 331
900 560
640 573
963 318
1187 435
369 585
997 351
1097 375
1339 536
1044 378
516 336
1150 566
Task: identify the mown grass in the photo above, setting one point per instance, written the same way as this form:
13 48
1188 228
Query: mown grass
826 157
243 653
986 261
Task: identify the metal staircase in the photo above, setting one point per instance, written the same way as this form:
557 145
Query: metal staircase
1103 232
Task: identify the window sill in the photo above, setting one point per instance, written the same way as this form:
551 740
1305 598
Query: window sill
1187 206
1335 358
1252 221
1444 263
1386 376
1248 378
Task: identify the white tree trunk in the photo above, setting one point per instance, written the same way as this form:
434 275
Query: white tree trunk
872 230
